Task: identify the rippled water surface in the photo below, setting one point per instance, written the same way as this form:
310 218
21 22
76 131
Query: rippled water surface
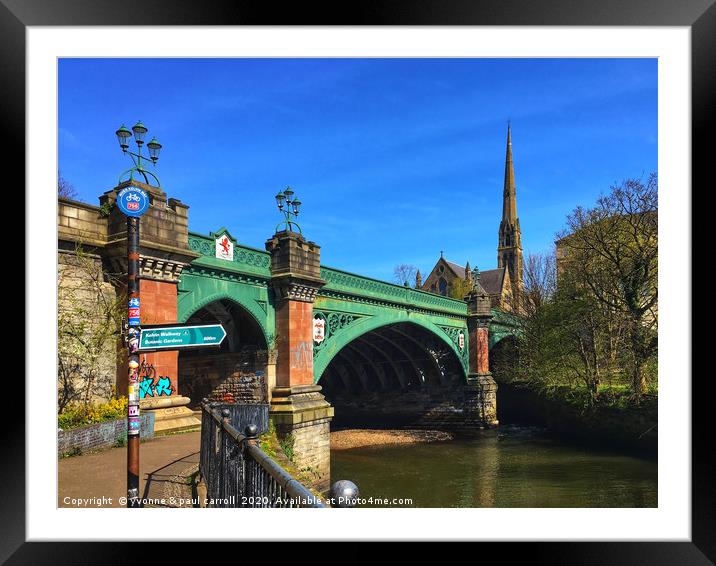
508 467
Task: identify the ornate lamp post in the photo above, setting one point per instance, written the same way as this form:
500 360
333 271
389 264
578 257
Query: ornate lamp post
289 205
133 201
139 131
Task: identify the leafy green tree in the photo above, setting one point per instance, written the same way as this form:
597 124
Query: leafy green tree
611 252
460 288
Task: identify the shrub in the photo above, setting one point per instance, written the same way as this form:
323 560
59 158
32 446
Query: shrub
286 444
76 414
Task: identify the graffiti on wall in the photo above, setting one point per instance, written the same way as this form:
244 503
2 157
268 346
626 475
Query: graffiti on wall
152 386
302 356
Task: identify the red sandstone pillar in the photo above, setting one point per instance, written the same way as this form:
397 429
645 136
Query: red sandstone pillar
479 379
294 341
159 306
479 347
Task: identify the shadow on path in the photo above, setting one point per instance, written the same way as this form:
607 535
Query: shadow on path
172 485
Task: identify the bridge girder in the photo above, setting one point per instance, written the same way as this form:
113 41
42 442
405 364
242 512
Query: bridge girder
397 369
421 347
379 371
349 356
408 356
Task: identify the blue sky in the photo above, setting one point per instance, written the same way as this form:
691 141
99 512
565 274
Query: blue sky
394 159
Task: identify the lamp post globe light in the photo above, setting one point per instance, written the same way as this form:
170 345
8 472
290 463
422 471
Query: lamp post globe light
139 131
290 206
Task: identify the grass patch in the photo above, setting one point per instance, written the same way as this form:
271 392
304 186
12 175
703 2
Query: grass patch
76 451
191 478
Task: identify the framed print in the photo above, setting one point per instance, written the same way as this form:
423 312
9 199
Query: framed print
404 265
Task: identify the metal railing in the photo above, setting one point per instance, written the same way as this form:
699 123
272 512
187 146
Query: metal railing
237 473
243 414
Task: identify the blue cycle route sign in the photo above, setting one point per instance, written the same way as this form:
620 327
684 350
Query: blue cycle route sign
133 201
181 336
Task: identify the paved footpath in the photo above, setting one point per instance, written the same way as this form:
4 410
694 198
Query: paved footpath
165 465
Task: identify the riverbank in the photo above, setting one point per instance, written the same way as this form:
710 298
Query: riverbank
360 438
609 422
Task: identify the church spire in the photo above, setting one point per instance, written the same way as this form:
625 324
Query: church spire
509 195
509 244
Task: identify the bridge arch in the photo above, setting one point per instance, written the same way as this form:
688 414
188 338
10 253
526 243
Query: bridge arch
391 371
249 305
235 371
362 325
200 286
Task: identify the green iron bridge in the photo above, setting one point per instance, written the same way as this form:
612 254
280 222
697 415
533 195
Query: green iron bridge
377 334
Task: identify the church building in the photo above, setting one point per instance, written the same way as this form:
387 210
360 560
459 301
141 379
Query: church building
504 284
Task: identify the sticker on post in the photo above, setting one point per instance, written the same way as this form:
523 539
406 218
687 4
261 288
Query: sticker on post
133 201
134 424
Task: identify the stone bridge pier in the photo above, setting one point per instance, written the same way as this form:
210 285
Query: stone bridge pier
299 411
481 387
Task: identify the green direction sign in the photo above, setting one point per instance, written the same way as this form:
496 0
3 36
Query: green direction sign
175 337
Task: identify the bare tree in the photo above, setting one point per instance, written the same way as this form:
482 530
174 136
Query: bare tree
404 274
540 278
65 189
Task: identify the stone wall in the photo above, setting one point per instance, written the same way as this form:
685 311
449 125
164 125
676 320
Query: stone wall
86 302
100 435
314 457
231 377
81 222
457 408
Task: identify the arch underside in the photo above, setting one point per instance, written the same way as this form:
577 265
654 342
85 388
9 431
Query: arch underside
391 357
343 327
398 374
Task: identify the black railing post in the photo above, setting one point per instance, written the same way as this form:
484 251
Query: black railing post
253 479
214 454
223 456
204 443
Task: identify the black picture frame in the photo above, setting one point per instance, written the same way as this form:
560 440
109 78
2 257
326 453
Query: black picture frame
699 15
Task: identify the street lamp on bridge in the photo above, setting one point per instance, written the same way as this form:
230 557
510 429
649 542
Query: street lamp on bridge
289 205
139 131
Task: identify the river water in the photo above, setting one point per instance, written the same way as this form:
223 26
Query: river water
512 466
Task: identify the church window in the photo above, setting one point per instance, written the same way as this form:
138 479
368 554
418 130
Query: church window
443 286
